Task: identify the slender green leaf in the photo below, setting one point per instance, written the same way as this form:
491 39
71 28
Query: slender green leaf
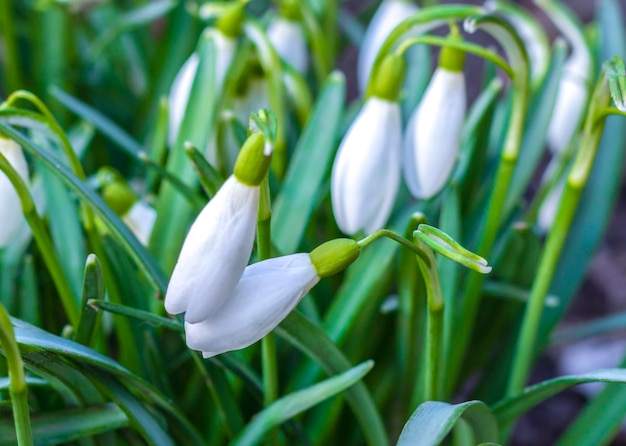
311 340
433 420
307 170
511 408
93 288
55 428
291 405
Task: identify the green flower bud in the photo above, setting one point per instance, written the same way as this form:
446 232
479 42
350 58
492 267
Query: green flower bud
232 19
334 256
252 163
389 77
118 196
452 59
290 10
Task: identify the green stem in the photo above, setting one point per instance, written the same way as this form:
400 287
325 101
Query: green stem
434 335
460 45
42 238
395 237
268 343
572 192
518 59
18 388
9 36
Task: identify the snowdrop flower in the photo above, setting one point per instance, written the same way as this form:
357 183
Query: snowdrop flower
288 38
366 172
433 135
219 243
569 107
267 292
224 35
12 215
388 15
573 93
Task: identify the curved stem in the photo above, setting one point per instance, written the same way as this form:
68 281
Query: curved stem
42 238
17 386
395 237
460 45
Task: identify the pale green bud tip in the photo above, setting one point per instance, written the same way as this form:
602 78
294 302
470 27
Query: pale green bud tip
290 9
252 163
119 197
616 76
232 19
452 59
334 256
389 77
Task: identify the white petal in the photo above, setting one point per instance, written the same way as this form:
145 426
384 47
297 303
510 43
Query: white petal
140 219
179 95
215 253
181 87
288 38
266 294
431 145
569 108
10 205
388 15
366 172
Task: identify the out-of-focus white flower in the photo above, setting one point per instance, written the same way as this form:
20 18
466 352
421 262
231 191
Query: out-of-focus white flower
550 204
433 135
12 215
569 107
388 15
140 219
219 243
366 172
289 40
267 292
181 87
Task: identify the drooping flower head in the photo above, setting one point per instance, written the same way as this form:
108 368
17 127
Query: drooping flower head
224 37
219 243
366 172
286 34
267 292
433 134
12 215
388 15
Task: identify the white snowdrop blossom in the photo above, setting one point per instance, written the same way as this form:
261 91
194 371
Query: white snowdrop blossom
569 107
433 135
12 215
366 172
181 87
289 40
388 15
140 219
219 243
267 292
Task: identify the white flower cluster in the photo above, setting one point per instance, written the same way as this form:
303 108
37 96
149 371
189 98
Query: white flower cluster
367 169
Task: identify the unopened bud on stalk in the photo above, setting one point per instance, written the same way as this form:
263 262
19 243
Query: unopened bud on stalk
433 135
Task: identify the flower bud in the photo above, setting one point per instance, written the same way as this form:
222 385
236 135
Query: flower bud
12 215
366 172
433 134
334 256
231 20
